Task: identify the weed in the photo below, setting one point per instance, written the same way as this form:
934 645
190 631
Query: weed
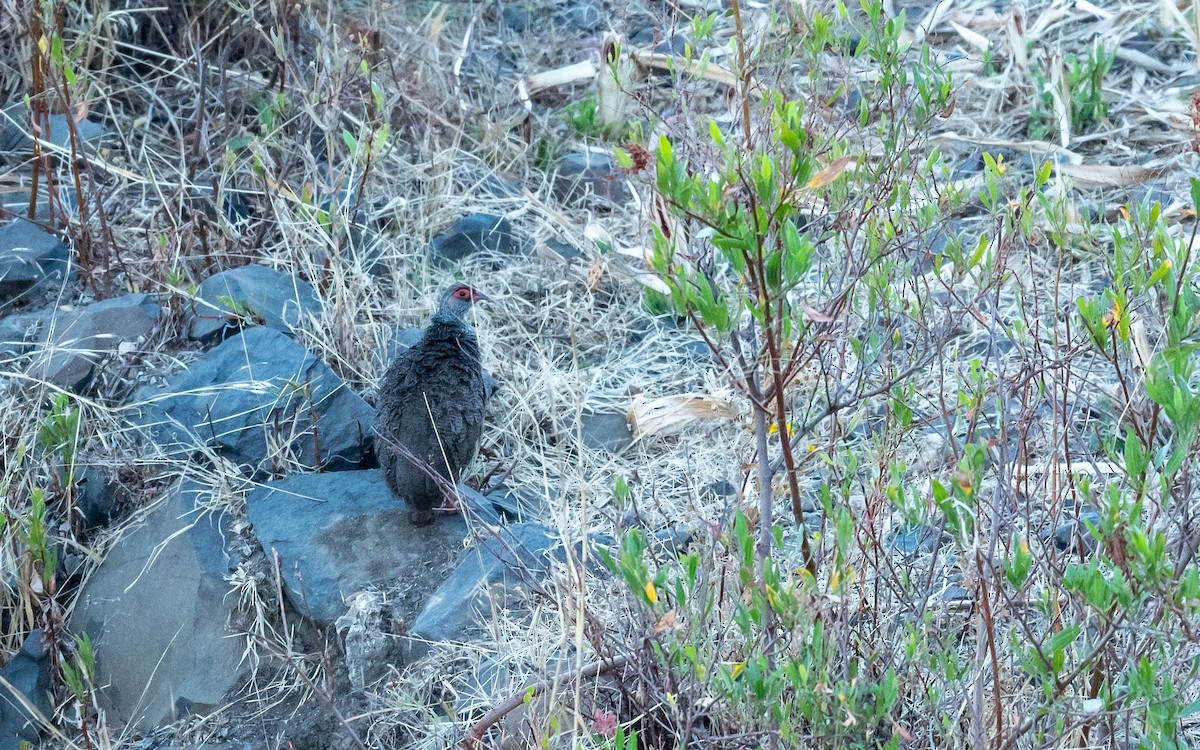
1081 91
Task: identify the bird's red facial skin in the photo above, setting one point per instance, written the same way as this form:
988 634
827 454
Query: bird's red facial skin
465 293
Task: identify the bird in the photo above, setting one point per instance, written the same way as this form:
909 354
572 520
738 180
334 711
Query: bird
431 406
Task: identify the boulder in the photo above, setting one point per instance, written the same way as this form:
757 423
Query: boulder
156 610
254 392
279 300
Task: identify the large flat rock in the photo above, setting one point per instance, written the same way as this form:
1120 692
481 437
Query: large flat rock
341 533
157 610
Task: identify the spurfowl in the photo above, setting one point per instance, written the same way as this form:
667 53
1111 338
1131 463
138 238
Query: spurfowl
431 408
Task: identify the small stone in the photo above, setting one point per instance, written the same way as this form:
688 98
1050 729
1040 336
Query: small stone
29 257
698 349
1068 536
606 430
672 45
970 164
585 15
588 175
96 498
720 488
474 233
515 17
563 250
279 300
369 648
923 539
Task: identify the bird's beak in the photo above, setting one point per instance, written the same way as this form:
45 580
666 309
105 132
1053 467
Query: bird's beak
481 297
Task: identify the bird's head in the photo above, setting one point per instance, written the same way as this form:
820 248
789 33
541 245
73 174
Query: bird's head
457 300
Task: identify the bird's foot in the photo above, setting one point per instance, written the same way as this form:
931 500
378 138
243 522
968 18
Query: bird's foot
449 505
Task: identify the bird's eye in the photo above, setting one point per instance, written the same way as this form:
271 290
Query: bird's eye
463 294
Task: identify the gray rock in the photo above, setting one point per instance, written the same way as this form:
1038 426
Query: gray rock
15 203
922 539
953 593
483 181
340 534
669 43
699 349
15 130
253 391
474 233
484 687
156 610
279 300
589 175
28 673
969 164
369 647
518 554
75 343
29 257
564 250
606 430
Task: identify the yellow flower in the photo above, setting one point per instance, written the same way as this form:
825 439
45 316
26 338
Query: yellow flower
774 429
651 594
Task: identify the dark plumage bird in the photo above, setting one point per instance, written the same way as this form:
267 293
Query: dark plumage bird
431 405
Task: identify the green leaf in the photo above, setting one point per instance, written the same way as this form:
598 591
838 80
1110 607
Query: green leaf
714 132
